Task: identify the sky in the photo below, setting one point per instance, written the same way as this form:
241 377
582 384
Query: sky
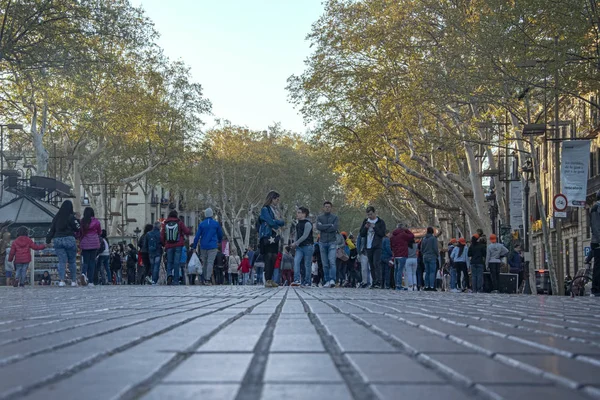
241 51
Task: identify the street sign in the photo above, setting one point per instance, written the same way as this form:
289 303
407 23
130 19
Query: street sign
586 251
560 214
560 202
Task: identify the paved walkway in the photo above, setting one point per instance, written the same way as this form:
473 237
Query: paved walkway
233 342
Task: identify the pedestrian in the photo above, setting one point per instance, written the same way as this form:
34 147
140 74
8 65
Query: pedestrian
411 265
146 270
132 260
244 268
287 267
155 251
386 259
45 280
103 260
451 246
494 254
5 271
269 233
65 226
172 237
303 246
477 253
431 254
234 264
461 263
363 260
399 241
515 263
372 231
328 225
20 255
116 264
219 268
209 234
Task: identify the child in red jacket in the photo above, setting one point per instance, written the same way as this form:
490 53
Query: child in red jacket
20 254
245 267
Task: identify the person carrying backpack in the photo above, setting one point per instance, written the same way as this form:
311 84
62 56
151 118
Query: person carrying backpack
172 237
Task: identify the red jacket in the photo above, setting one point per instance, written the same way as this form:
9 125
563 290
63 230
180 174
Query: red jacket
399 242
278 261
20 251
245 265
183 231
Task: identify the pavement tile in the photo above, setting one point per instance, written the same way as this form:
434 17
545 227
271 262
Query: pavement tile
569 368
306 391
211 368
422 391
392 368
529 392
193 392
301 368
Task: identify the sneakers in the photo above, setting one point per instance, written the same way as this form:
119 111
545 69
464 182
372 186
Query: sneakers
375 287
148 280
364 285
74 284
327 285
90 285
61 283
271 284
83 281
295 283
455 291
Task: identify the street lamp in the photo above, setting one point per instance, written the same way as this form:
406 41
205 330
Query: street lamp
11 127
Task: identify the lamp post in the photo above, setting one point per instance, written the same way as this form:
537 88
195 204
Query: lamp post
11 127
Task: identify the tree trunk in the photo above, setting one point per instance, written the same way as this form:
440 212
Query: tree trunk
478 196
76 185
114 224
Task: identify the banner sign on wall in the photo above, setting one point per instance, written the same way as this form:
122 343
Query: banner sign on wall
516 205
574 171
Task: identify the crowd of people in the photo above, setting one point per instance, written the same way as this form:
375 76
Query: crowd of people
318 254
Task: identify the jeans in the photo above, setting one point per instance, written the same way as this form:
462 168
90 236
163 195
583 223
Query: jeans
411 272
259 271
453 277
245 277
155 261
399 265
477 271
207 257
385 274
89 263
303 253
328 259
374 256
596 273
430 267
173 257
66 251
21 270
270 259
462 275
103 265
276 275
365 270
495 275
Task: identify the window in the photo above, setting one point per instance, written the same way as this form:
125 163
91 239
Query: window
152 217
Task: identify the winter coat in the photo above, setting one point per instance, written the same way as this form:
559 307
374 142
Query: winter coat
244 266
399 241
234 263
90 239
183 231
478 252
495 252
379 233
20 251
209 234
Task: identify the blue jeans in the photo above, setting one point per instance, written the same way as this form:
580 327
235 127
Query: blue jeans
477 272
66 251
430 267
155 262
385 274
103 265
399 265
259 275
452 277
21 270
173 258
276 275
245 278
328 259
88 266
303 253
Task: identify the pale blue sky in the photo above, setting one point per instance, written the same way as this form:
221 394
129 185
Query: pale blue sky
241 51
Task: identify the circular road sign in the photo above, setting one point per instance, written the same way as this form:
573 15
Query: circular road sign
560 202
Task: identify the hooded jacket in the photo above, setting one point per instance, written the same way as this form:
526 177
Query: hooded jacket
399 241
90 239
429 247
20 251
183 231
477 252
209 233
495 252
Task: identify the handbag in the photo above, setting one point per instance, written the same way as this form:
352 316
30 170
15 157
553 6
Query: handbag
341 254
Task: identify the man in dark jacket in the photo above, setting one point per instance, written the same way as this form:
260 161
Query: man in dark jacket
477 253
372 232
399 242
172 237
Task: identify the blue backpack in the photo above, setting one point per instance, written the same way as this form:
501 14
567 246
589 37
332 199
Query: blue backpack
153 240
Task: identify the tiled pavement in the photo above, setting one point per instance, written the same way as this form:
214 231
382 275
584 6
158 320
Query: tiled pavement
233 342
